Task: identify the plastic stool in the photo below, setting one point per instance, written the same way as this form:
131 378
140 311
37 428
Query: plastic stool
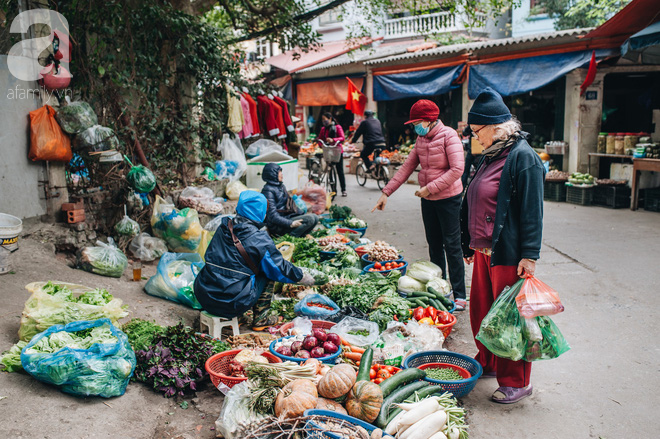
214 324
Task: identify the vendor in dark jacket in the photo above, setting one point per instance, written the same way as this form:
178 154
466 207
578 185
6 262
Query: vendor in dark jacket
228 285
372 136
501 226
283 216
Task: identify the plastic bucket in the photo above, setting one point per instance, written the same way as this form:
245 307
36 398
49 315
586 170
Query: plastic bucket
4 260
10 228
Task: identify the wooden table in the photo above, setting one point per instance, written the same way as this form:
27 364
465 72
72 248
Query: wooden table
641 165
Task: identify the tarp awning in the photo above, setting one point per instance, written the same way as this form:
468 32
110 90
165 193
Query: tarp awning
413 84
637 15
645 42
329 92
523 75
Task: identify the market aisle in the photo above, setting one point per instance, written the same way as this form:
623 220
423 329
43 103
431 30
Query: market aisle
604 264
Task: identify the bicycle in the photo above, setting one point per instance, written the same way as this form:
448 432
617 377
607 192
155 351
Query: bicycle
322 169
380 173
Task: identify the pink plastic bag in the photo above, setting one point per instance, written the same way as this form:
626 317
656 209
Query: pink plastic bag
315 194
537 299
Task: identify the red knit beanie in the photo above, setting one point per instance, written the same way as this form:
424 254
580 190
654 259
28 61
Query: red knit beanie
423 110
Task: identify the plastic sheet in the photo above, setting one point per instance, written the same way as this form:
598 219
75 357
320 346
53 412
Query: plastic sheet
47 140
175 277
147 248
350 324
537 299
76 117
304 307
180 229
233 156
315 194
104 259
97 138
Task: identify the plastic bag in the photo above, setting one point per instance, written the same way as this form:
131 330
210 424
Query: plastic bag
232 153
43 310
552 343
305 307
348 311
175 277
286 248
234 189
236 414
300 204
301 326
97 138
104 259
147 248
400 340
76 117
213 225
315 194
208 174
351 324
204 243
47 140
262 146
127 227
202 199
180 229
537 299
102 370
501 331
141 179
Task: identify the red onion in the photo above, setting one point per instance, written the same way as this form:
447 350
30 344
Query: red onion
334 339
330 347
296 346
284 350
302 354
320 335
310 342
318 352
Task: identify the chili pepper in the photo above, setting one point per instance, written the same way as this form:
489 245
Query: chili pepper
430 312
418 314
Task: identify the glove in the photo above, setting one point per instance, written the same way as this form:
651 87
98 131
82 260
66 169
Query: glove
307 280
296 224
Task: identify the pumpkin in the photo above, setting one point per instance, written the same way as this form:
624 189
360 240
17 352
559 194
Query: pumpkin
296 397
337 382
364 401
333 406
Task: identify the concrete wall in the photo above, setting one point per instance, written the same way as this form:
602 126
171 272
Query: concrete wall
522 24
20 192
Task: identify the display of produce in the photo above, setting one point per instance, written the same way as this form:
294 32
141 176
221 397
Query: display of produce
555 175
579 178
381 251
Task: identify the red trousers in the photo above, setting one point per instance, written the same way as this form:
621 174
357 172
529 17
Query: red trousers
487 283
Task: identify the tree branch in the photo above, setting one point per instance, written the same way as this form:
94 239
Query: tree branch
264 11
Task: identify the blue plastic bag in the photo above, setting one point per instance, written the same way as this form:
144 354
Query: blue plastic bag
300 204
303 308
102 370
175 277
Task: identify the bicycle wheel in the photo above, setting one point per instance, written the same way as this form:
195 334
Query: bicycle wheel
383 177
315 172
331 181
361 174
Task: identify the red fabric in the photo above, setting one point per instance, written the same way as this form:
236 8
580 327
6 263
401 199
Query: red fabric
423 110
285 112
591 74
355 100
487 283
267 116
279 119
254 114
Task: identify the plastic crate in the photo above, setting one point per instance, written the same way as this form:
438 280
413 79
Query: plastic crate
554 191
652 200
614 197
579 195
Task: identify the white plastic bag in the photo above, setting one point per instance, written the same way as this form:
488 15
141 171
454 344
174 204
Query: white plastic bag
202 199
350 324
234 190
233 157
104 259
212 226
127 227
235 412
301 326
147 248
262 146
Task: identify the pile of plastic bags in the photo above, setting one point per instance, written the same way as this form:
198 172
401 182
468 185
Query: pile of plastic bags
175 278
104 259
180 229
202 199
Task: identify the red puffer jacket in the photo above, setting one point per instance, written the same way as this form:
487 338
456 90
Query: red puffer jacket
440 153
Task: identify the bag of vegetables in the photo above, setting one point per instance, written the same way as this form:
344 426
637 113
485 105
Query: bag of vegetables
316 306
82 358
127 227
180 229
104 259
175 278
76 117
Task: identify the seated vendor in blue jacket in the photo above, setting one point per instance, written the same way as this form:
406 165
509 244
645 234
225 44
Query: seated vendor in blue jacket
233 280
283 215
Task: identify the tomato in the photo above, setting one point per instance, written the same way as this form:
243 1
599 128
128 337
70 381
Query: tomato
384 374
418 314
391 369
372 374
378 380
378 265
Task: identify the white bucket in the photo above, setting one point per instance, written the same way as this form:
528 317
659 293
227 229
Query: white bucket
10 228
4 260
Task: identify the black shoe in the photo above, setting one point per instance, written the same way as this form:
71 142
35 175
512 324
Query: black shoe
344 194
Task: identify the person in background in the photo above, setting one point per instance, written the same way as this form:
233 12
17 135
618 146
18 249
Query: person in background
283 216
372 133
331 133
469 157
501 226
240 260
440 153
406 137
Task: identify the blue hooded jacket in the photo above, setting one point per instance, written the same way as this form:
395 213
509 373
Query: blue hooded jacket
277 196
226 286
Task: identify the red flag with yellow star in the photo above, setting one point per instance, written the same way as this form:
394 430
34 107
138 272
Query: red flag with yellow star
356 101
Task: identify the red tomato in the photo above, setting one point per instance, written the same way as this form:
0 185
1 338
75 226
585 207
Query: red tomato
378 265
391 369
372 374
384 374
444 317
378 380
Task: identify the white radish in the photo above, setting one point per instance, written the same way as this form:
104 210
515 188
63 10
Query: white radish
454 433
427 426
422 410
413 405
438 435
393 426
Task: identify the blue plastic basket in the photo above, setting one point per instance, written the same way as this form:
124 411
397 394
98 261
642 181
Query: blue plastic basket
330 359
316 431
458 388
327 220
360 230
403 269
366 261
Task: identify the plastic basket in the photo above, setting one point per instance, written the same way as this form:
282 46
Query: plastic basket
403 269
327 220
582 196
458 388
218 366
332 154
366 261
461 371
614 197
330 359
316 431
348 232
652 200
554 191
446 328
360 230
320 324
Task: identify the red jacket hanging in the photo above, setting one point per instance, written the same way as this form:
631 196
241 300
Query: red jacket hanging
254 114
279 118
285 112
267 115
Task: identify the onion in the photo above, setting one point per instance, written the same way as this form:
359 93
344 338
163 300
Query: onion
330 347
310 342
296 346
302 354
284 350
320 335
318 352
334 339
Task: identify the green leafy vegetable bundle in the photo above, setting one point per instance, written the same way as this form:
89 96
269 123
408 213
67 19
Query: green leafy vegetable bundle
340 212
141 333
305 249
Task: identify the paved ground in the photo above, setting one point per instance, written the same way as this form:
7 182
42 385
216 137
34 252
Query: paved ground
603 262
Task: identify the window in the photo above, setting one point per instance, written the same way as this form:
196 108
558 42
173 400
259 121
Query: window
263 48
536 7
329 17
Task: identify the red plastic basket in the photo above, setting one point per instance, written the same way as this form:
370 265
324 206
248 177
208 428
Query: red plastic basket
321 324
446 328
360 251
461 371
218 365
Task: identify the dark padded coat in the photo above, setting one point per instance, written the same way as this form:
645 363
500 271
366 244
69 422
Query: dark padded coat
277 196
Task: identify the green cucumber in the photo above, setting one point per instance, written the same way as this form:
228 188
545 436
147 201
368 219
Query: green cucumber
429 391
419 302
438 295
421 294
437 305
365 365
400 379
398 396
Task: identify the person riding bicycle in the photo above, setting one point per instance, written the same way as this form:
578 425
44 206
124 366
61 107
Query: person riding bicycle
372 133
332 132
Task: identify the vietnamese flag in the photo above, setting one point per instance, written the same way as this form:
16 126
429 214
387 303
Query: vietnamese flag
356 101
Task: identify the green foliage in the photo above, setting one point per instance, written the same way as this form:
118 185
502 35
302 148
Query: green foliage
574 14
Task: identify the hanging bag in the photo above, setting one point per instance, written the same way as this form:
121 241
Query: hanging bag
47 140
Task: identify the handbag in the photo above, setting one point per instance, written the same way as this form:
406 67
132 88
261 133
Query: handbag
290 208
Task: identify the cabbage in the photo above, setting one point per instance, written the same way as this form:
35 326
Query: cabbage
440 285
424 271
408 284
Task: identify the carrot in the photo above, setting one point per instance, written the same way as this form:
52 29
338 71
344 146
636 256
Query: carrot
354 356
344 342
356 349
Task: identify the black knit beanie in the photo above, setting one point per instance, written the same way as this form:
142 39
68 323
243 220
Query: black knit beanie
488 109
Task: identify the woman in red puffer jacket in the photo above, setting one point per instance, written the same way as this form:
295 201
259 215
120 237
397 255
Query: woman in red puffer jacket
439 151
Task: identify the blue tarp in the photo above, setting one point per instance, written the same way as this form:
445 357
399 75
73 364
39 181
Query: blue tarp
645 42
415 84
518 76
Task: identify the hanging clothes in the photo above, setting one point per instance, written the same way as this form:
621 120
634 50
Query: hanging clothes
267 116
254 114
235 112
279 118
285 112
247 117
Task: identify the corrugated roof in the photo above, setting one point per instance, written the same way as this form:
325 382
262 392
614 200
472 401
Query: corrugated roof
571 34
326 51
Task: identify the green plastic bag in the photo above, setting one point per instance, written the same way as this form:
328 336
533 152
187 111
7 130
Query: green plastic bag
76 117
141 179
552 343
104 259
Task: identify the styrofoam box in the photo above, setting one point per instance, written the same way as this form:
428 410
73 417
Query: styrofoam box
256 165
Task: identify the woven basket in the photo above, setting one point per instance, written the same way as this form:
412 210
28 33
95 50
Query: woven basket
218 366
457 388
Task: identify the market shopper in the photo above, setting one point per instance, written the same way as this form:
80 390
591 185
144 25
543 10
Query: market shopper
501 224
283 216
440 153
331 133
240 261
371 131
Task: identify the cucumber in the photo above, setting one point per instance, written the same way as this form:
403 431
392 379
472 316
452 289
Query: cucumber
437 305
438 295
400 379
421 294
365 365
419 302
398 396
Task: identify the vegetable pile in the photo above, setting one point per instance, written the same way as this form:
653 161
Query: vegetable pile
319 345
443 374
381 251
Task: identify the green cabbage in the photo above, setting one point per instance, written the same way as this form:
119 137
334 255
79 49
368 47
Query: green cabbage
408 284
424 271
440 285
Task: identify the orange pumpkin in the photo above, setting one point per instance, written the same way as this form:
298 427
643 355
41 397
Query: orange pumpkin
337 382
295 398
364 401
333 406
